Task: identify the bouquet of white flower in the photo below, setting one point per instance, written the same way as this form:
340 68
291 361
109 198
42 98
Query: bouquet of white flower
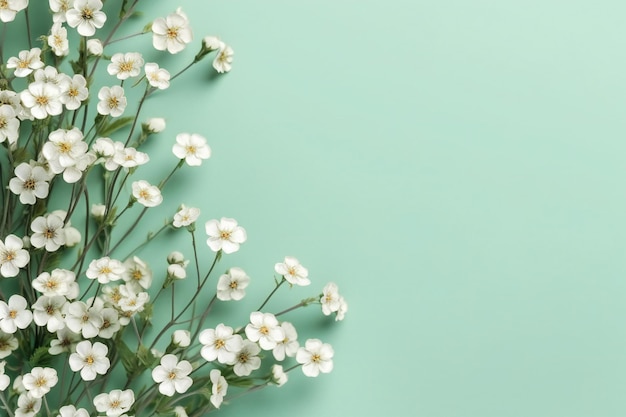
78 336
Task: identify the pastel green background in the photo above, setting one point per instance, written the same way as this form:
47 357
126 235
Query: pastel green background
456 166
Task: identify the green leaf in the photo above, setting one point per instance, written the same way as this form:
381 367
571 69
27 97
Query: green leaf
146 357
116 125
40 357
129 359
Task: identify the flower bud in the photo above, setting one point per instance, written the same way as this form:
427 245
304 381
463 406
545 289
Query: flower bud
98 211
181 338
175 258
212 43
94 46
154 125
179 411
72 236
279 377
176 271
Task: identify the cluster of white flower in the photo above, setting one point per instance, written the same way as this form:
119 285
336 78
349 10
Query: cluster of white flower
89 309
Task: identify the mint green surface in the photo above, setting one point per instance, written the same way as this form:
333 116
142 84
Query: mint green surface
457 167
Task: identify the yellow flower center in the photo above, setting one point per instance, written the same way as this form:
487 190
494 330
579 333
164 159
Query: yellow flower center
219 344
89 360
87 14
172 33
126 66
113 102
41 100
29 184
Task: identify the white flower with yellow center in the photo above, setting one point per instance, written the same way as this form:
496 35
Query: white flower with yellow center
112 101
57 282
59 8
232 285
26 62
27 405
225 235
185 216
47 232
138 274
125 65
293 272
115 403
221 344
9 124
9 8
171 33
66 153
86 16
224 59
8 343
265 329
90 360
14 314
289 345
105 270
30 183
192 148
219 387
80 318
65 342
172 375
71 411
315 357
42 99
147 195
157 77
247 359
12 256
73 91
39 381
57 40
48 311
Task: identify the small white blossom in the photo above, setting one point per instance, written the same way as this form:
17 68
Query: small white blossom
155 125
12 256
331 301
185 216
30 182
8 343
125 65
315 357
289 345
4 378
219 387
192 148
94 47
112 101
232 285
176 271
212 43
181 338
48 311
98 211
137 274
26 62
66 152
65 342
9 124
147 195
14 314
343 308
293 272
179 411
39 381
265 329
110 323
9 8
59 7
279 376
105 270
57 282
129 157
90 360
247 359
225 235
42 99
86 16
172 33
47 232
74 91
221 344
80 318
71 411
27 405
224 59
57 40
157 77
114 403
172 375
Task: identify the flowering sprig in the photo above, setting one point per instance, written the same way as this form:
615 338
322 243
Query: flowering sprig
78 333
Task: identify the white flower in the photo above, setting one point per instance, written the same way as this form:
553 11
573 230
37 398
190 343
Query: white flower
47 232
90 360
186 216
138 273
176 271
57 282
129 157
66 153
39 381
147 195
110 323
4 379
59 7
71 411
176 257
12 256
192 148
8 343
212 43
86 16
181 338
179 411
50 74
293 272
264 328
9 124
171 375
65 342
247 359
232 285
155 125
42 99
26 62
289 345
98 211
157 77
225 235
221 344
343 308
94 47
9 8
219 387
279 376
30 182
171 33
112 101
27 405
315 357
57 40
73 91
125 65
224 59
332 302
105 270
80 318
48 311
115 403
14 314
